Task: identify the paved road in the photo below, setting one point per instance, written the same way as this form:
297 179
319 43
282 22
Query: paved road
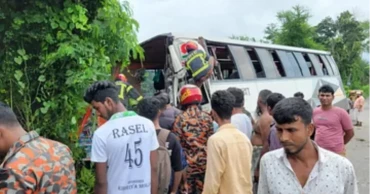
358 152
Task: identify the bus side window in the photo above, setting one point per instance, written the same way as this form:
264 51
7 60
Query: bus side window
333 64
228 68
302 64
260 72
279 66
309 64
242 61
293 61
316 64
326 64
325 71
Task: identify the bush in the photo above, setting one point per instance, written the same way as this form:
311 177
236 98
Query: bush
50 51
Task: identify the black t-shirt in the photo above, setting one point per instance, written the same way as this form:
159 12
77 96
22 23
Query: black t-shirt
174 147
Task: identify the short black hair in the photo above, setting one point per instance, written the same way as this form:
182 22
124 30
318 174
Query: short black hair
326 89
222 103
7 116
263 95
299 95
273 99
149 107
288 109
100 90
239 96
164 98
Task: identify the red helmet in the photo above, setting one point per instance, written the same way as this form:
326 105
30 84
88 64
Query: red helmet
190 45
190 94
122 77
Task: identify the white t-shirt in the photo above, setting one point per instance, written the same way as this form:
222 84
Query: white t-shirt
125 143
243 123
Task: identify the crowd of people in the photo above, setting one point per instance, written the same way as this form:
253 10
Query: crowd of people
156 148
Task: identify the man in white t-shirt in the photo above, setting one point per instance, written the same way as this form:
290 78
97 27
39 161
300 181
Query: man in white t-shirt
239 118
124 148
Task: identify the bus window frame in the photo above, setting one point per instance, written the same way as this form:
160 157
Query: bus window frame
290 71
327 65
243 62
267 63
302 63
316 64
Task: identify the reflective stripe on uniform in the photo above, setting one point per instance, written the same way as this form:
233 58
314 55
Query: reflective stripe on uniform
192 58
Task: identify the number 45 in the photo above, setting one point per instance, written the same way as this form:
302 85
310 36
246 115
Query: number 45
138 155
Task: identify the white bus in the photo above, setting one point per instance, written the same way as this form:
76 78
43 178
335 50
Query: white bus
249 66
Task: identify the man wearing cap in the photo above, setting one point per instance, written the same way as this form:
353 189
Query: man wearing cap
359 108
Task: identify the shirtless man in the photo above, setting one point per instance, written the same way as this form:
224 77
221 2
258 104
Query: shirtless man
261 132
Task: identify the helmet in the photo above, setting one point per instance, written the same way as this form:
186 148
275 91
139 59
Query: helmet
190 46
190 94
122 77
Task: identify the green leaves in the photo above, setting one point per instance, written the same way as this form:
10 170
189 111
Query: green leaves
53 52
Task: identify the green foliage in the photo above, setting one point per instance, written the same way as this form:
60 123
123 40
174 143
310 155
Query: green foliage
50 51
294 29
347 38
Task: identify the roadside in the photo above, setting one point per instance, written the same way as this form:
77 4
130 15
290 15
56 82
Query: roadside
358 152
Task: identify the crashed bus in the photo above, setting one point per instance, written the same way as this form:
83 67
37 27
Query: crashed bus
250 66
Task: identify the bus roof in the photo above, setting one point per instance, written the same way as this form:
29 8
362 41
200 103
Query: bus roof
237 42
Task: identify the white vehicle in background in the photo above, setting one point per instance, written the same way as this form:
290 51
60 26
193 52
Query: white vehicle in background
249 66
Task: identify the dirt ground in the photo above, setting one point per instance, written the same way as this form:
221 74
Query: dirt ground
358 152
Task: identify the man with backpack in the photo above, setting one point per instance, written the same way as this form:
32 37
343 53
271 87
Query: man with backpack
169 151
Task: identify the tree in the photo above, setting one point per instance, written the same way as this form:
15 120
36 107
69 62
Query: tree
294 29
347 39
51 50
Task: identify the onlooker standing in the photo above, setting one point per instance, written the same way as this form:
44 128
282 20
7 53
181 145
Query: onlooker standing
261 132
239 118
127 143
333 124
229 152
273 139
359 108
32 164
150 109
302 166
169 112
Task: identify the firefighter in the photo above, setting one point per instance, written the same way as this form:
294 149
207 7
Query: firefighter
198 63
127 93
193 127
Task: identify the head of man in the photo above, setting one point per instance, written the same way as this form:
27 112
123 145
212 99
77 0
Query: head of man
261 102
239 97
163 98
326 95
222 103
272 100
149 108
359 93
299 95
293 118
103 96
9 129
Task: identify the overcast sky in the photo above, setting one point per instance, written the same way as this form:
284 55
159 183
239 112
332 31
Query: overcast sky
222 18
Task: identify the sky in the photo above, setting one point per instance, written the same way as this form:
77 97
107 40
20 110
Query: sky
223 18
